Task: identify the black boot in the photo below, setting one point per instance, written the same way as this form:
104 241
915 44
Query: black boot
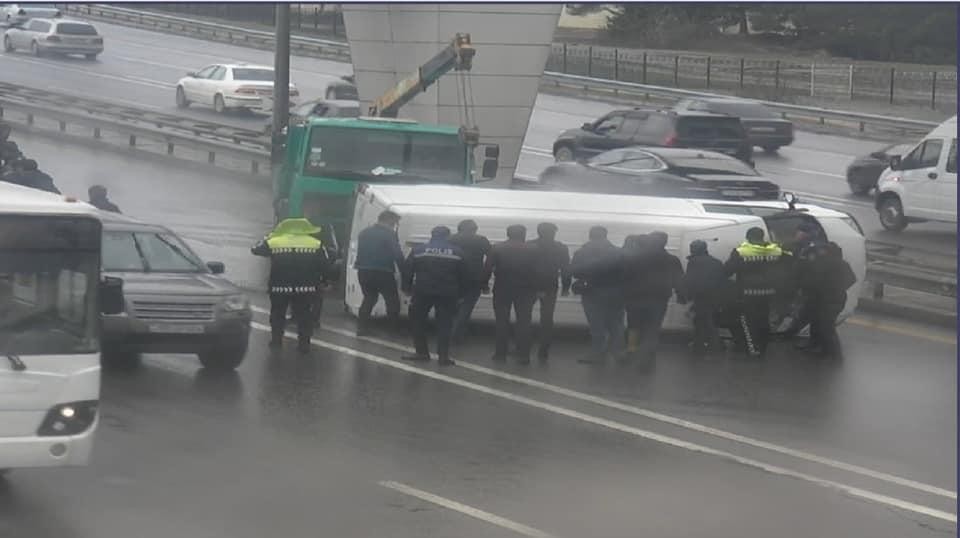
303 346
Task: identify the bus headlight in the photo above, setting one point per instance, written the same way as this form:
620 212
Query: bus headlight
235 303
68 418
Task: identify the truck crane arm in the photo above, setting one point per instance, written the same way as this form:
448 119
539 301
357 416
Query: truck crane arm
457 56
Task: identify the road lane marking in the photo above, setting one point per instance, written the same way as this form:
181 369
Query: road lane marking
667 419
476 513
95 74
906 331
624 428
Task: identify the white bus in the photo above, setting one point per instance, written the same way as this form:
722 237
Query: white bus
51 297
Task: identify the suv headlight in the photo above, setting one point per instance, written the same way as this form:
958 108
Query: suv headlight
234 303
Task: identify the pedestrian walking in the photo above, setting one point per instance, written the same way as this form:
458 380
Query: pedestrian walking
98 199
704 285
825 283
475 249
512 265
298 266
379 256
552 275
436 274
756 265
598 269
652 275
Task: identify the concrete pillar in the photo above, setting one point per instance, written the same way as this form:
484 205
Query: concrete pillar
389 41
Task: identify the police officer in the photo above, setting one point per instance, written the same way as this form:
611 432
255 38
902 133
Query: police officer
99 200
378 256
756 265
826 283
435 275
704 284
475 249
552 266
512 265
298 265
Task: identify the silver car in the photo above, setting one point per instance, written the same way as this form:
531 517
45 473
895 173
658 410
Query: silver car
174 303
17 13
54 36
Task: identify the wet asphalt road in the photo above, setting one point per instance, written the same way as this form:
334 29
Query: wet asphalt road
301 446
141 68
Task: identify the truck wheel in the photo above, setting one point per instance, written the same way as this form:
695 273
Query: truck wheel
223 359
891 214
563 154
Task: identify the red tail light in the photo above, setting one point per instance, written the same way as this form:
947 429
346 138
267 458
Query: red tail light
670 140
246 90
53 38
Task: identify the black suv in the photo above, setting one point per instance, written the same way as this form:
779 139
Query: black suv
662 128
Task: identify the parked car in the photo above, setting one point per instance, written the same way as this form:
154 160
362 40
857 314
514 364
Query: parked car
667 172
54 36
765 129
174 303
863 173
231 86
343 89
19 13
663 128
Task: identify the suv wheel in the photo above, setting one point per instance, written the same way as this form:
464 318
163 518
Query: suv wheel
218 105
182 101
35 49
891 214
563 153
223 359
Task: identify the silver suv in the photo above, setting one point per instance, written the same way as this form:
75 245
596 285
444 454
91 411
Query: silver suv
54 36
174 303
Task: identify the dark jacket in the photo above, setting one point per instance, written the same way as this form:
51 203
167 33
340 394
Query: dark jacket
705 280
105 205
475 249
436 268
759 269
512 265
298 261
34 179
827 278
598 265
552 265
378 249
650 274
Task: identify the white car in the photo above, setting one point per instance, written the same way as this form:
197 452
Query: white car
54 36
15 13
231 86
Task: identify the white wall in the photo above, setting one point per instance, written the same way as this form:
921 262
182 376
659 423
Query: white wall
389 41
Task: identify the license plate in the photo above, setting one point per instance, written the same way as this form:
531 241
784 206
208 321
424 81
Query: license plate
175 328
763 130
736 192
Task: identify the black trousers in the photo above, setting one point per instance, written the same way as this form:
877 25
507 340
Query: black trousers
823 325
302 305
704 325
373 284
521 302
645 319
445 308
753 325
548 305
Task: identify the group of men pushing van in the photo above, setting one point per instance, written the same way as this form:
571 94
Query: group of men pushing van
450 272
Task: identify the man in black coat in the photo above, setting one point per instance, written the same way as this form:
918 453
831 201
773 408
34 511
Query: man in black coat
29 175
475 249
512 265
598 268
435 275
99 200
704 284
825 282
652 276
553 263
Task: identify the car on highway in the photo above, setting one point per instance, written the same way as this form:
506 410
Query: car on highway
54 36
663 128
327 108
864 171
343 89
231 86
668 172
18 13
765 129
174 303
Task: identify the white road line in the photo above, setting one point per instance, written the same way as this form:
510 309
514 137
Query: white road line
636 432
466 510
667 419
95 74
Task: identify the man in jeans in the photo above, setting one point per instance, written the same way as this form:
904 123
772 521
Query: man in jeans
598 268
378 257
553 261
475 249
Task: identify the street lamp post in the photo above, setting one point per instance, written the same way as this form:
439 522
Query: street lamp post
281 81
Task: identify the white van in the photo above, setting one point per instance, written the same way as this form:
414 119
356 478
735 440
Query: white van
921 185
721 224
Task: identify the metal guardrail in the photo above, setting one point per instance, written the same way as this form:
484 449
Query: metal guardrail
307 46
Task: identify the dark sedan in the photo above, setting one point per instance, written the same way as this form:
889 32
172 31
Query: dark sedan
667 172
863 173
764 128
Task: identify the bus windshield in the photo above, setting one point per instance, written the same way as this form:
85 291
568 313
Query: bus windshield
383 156
49 269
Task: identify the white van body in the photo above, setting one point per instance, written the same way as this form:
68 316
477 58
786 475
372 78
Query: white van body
49 326
924 185
723 225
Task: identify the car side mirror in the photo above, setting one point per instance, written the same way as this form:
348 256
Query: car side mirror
192 74
895 162
492 151
791 200
216 268
111 296
489 170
